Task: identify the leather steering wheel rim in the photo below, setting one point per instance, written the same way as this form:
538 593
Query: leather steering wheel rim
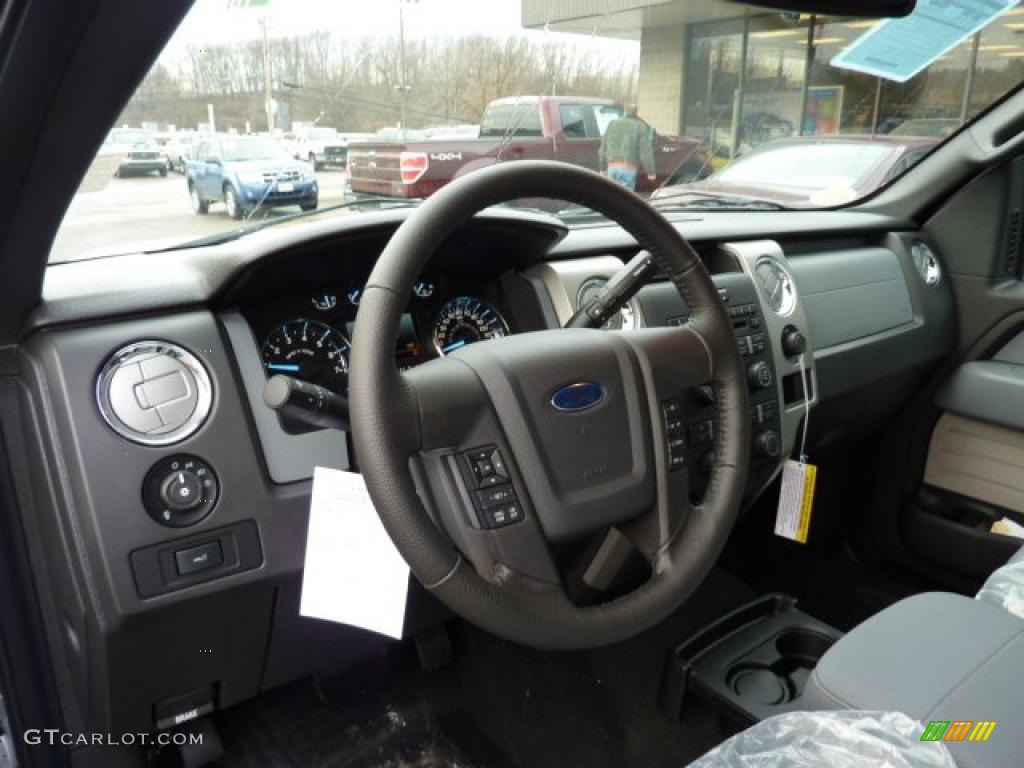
390 417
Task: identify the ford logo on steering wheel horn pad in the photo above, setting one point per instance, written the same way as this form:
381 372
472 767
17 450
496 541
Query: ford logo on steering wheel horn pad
581 396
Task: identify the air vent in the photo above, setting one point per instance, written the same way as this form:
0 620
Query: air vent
154 393
926 262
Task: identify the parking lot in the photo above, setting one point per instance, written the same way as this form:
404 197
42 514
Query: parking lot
144 212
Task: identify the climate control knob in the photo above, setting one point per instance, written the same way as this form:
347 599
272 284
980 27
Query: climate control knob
767 444
759 375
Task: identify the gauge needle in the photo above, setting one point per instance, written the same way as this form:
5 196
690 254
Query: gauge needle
453 346
282 367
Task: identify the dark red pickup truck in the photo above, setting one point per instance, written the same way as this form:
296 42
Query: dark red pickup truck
566 128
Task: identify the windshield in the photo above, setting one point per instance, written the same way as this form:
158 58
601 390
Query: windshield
278 112
130 137
241 150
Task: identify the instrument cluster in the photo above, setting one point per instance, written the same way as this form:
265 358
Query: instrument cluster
307 335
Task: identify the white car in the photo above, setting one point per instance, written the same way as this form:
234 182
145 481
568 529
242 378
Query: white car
179 150
320 147
138 150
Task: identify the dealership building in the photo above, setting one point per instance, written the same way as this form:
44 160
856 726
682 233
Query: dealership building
733 73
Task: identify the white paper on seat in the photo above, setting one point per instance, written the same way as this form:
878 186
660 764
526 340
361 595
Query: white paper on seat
353 574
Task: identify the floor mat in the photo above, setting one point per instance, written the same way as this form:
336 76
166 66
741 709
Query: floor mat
385 726
499 705
598 708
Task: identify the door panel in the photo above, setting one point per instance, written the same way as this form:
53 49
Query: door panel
977 460
974 474
953 463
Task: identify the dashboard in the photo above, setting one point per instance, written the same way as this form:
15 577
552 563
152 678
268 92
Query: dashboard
307 335
163 373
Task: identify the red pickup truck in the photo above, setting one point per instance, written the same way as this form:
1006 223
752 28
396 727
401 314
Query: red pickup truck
567 128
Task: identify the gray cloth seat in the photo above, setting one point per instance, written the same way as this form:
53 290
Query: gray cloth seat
932 657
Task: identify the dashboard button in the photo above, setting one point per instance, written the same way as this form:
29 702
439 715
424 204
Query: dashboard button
759 376
197 559
495 497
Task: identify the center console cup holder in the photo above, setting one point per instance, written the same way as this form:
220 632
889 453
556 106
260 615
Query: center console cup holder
752 663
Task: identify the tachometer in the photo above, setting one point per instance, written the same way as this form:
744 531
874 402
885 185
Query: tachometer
308 350
465 320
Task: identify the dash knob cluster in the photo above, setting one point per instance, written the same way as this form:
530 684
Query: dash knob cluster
180 490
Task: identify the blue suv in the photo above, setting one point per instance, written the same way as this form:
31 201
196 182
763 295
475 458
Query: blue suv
246 173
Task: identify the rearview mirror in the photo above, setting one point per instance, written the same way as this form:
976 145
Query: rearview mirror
874 9
213 160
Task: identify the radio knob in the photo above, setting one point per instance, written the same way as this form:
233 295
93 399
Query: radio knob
794 343
759 375
767 444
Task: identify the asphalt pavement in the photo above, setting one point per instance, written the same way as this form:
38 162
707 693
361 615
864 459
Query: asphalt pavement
111 215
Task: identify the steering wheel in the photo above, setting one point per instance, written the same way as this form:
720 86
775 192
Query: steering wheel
575 424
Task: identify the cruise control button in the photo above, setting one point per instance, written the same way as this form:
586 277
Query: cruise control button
495 497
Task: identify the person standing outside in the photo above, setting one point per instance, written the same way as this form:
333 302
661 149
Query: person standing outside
627 148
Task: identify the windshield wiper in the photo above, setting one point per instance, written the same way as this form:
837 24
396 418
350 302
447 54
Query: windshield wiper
690 200
234 234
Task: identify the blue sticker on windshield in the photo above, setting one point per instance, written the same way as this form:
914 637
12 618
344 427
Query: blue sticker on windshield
897 49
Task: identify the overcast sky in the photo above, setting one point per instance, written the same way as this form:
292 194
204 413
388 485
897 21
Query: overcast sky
213 21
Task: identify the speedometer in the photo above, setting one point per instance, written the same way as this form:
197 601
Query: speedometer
308 350
465 320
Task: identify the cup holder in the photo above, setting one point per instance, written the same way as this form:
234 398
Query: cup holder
783 679
752 663
803 645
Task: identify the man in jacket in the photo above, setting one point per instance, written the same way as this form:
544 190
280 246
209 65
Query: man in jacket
627 148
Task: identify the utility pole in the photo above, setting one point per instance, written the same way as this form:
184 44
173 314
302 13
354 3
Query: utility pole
401 63
268 77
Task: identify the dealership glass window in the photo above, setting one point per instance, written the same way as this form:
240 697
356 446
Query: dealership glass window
1000 65
712 79
931 103
773 85
844 102
839 101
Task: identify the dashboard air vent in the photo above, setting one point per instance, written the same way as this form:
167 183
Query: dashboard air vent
926 262
154 393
